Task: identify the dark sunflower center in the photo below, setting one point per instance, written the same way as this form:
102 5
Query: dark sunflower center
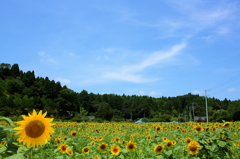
86 150
193 148
130 146
35 128
74 134
159 148
102 147
64 148
169 144
198 128
115 150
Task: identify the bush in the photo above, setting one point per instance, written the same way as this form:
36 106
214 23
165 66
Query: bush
145 119
79 118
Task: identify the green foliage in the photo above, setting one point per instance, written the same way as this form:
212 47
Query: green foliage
220 115
20 92
8 149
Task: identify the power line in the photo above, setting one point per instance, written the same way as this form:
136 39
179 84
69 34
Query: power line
224 89
218 88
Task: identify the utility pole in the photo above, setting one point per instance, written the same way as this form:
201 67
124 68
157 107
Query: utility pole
193 111
185 116
206 104
190 116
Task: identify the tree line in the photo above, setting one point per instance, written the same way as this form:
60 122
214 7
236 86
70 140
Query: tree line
20 92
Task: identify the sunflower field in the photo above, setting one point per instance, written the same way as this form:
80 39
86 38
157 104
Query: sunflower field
41 138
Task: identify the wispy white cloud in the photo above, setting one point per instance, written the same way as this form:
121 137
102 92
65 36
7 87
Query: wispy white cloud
128 72
62 80
125 76
231 89
198 92
154 93
194 17
71 54
46 57
222 30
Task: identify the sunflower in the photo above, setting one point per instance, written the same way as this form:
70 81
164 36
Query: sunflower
158 149
115 150
58 140
100 138
96 157
116 139
3 143
70 152
73 133
188 140
198 128
131 146
226 124
35 129
158 128
165 139
103 146
174 142
193 147
63 148
169 144
92 143
149 137
86 150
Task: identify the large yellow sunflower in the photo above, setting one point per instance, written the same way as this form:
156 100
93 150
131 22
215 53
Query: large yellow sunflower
193 147
35 129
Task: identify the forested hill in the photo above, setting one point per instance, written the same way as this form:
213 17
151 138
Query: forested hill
20 92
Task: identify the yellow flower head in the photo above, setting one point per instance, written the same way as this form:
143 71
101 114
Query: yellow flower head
115 150
86 150
131 146
198 128
35 129
96 157
193 147
63 148
70 152
169 144
116 139
226 124
158 149
73 133
103 146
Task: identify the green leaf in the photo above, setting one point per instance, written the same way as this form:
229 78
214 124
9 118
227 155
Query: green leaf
121 156
18 156
2 149
124 151
213 148
5 128
168 152
9 121
3 135
22 150
160 157
221 143
12 147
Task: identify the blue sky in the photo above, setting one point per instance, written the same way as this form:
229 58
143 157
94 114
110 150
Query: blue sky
133 47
